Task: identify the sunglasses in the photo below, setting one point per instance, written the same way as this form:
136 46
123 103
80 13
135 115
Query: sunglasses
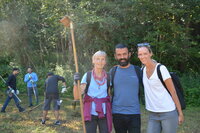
143 45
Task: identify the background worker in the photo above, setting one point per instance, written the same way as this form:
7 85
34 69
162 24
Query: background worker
31 79
52 95
11 84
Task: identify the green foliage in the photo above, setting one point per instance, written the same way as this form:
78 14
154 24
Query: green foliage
4 70
31 35
30 31
191 89
192 97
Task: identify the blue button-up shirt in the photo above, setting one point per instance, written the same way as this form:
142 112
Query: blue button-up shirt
31 79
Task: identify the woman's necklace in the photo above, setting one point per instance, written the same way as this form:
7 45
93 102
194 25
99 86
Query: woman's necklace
100 80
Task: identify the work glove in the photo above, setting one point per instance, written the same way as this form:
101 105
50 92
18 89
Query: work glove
12 91
29 77
64 89
77 77
17 92
59 102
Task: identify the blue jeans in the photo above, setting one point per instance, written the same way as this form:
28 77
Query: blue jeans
165 122
30 92
8 100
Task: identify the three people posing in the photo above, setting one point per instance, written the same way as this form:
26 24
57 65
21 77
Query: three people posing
164 110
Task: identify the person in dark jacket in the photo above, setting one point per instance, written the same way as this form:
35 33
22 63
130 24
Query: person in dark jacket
11 84
52 95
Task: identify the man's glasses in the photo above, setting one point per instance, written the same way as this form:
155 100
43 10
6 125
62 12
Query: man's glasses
143 45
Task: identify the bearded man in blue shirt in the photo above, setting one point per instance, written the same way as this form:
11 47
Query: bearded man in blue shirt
125 99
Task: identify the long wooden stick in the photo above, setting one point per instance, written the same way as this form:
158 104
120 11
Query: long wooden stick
68 23
76 65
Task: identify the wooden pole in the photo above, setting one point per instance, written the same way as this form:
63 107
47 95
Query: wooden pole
67 22
76 65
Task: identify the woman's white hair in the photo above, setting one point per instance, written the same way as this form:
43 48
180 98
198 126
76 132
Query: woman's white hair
99 53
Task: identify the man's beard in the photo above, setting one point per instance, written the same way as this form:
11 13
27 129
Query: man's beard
123 63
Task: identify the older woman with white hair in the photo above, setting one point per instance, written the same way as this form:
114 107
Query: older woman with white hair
97 107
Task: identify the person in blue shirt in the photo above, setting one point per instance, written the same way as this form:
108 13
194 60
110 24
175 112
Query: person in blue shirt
31 79
96 102
125 99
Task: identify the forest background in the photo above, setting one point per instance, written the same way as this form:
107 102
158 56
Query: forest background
31 35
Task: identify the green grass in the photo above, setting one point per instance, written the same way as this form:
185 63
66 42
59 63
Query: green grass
14 122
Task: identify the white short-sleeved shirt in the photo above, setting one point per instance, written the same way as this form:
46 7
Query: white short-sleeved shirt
157 97
95 91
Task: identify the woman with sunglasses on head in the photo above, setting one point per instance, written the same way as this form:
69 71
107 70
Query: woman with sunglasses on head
164 109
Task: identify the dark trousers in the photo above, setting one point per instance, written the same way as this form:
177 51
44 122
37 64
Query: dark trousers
8 100
127 123
91 126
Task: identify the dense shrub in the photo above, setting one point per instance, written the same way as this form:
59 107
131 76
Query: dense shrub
191 89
